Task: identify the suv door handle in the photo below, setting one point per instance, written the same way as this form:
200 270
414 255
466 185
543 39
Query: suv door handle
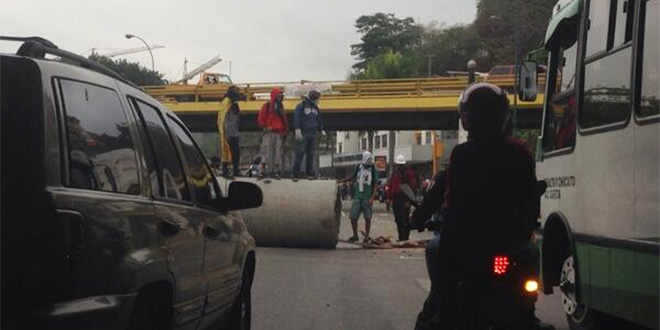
169 228
211 231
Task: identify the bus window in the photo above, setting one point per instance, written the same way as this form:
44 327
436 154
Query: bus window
624 19
559 131
607 92
650 101
599 15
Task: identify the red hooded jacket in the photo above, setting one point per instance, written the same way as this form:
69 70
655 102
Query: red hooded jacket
396 181
269 118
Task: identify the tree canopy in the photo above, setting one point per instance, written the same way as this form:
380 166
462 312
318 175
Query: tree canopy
500 22
392 46
389 65
382 33
131 71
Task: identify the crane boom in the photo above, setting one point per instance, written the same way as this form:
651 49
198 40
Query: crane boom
131 51
207 65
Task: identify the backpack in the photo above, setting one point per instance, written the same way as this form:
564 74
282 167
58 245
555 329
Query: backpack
262 117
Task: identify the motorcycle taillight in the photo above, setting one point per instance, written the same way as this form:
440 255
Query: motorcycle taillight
500 265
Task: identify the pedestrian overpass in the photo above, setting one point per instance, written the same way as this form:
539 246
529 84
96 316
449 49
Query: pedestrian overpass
392 104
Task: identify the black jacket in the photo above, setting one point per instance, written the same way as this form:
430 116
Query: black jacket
433 201
492 200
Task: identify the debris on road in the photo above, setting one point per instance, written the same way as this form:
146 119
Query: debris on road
381 242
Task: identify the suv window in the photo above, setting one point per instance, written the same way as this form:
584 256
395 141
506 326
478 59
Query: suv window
165 170
101 153
650 100
199 176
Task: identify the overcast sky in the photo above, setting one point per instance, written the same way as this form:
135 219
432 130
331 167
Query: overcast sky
266 40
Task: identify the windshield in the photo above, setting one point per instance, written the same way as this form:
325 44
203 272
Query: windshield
329 165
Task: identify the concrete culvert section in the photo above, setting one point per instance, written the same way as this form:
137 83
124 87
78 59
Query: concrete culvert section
302 214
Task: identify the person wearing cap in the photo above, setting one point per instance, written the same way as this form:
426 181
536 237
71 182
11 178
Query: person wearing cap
272 119
228 130
307 123
364 193
400 201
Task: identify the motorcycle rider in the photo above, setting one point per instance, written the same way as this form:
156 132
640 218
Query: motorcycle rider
491 200
429 215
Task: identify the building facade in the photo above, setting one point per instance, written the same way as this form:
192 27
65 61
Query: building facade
417 147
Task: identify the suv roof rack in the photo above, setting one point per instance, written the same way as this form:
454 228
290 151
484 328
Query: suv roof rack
37 47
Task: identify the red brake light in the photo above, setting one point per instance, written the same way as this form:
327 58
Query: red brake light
500 265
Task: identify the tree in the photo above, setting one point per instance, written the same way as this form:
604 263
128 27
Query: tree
451 48
131 71
382 33
500 22
389 65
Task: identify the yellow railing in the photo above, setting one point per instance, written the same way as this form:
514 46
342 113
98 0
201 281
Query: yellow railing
360 88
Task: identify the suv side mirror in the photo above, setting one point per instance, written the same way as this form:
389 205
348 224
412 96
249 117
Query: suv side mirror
527 80
243 195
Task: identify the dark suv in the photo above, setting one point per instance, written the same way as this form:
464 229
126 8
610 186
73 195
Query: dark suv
111 216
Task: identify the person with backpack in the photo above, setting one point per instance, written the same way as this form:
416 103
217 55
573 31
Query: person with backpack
307 122
399 199
272 119
364 193
228 129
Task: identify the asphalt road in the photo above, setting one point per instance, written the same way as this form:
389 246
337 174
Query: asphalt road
348 289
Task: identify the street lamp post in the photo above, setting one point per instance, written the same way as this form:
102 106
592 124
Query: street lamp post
153 66
471 66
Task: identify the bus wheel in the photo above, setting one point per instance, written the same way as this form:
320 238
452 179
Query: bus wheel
579 316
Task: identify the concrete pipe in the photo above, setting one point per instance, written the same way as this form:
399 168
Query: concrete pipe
305 214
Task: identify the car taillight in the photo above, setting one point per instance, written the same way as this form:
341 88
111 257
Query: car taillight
500 265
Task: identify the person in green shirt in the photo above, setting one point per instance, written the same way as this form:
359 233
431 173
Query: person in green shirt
364 193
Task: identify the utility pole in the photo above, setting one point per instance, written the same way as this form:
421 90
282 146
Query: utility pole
185 69
430 64
516 49
390 151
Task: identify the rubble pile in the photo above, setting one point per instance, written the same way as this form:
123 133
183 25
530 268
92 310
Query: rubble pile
381 242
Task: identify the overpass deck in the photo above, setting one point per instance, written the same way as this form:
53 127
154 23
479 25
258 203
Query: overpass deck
404 104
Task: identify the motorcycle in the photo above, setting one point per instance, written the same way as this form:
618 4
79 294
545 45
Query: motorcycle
501 294
497 291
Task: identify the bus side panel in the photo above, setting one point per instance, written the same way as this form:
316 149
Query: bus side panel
648 287
620 282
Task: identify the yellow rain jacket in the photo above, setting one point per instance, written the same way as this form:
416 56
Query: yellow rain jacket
225 153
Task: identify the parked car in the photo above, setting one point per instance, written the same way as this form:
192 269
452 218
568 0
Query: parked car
111 215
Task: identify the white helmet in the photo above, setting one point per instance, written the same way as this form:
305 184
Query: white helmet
367 158
400 160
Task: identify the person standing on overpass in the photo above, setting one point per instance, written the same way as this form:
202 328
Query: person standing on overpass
228 129
364 194
276 127
400 201
307 122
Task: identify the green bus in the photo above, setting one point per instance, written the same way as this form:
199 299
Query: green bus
599 153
